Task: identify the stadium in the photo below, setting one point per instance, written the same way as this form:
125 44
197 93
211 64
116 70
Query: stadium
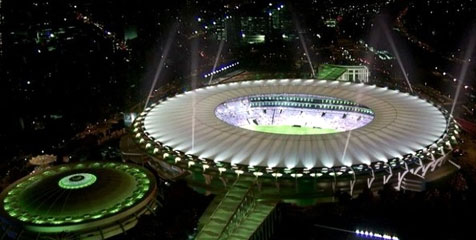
90 200
293 140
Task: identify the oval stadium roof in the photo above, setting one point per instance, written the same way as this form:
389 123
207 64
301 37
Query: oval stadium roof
402 125
91 199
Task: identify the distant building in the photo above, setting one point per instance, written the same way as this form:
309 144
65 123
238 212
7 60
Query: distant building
355 73
248 24
254 29
272 23
331 23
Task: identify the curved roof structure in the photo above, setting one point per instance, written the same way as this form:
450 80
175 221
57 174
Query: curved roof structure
402 124
94 200
42 160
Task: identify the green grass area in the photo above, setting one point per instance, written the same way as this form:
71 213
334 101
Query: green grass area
330 72
284 129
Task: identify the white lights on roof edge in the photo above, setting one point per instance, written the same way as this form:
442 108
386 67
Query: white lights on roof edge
163 133
373 235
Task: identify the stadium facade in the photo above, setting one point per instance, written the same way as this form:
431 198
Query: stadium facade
256 143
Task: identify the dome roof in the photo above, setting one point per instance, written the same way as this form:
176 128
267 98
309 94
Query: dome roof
78 197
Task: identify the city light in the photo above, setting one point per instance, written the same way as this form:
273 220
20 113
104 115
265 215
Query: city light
221 69
374 235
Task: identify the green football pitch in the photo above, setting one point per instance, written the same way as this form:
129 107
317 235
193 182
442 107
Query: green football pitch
284 129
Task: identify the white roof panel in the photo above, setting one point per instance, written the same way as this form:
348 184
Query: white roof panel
402 124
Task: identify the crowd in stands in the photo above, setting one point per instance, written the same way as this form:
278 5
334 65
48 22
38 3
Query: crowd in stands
240 113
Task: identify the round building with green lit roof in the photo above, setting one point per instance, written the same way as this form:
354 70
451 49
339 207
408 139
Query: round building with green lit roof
93 200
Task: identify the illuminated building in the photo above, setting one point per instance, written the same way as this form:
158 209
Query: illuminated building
256 143
91 200
357 73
